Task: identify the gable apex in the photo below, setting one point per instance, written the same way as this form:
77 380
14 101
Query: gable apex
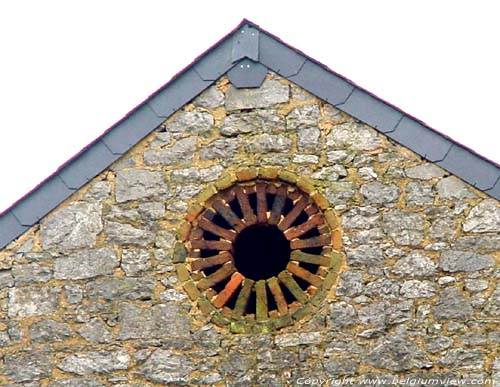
245 54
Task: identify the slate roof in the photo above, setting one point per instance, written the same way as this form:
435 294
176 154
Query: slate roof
246 54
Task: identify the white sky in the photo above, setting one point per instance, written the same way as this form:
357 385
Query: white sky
69 70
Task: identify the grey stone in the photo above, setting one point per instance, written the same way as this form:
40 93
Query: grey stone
125 234
152 210
265 143
195 122
165 366
476 285
438 343
162 139
397 354
424 172
305 159
418 289
172 295
181 152
350 284
86 264
415 264
135 261
353 136
301 117
451 188
276 359
367 173
365 255
96 331
330 173
473 339
452 305
6 279
27 366
178 206
197 175
341 192
339 156
140 184
48 331
210 99
270 93
443 228
165 239
187 191
266 121
453 261
308 139
78 382
378 193
160 321
480 242
419 194
382 287
404 228
463 359
374 313
492 308
485 217
361 218
223 148
71 227
123 213
101 362
124 163
338 367
294 339
29 273
33 301
99 191
73 293
121 288
342 314
446 280
373 236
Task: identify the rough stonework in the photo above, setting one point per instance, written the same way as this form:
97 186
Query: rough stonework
99 293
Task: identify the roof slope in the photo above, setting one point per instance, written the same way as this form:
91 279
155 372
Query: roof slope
245 54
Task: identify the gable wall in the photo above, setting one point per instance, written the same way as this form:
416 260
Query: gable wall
92 293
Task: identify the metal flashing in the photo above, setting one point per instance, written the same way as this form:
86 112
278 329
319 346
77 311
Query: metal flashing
322 83
179 92
245 43
420 139
371 111
215 62
126 133
10 229
495 191
470 167
247 74
41 201
87 165
282 59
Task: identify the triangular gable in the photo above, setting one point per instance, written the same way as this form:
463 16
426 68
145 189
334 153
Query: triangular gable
245 54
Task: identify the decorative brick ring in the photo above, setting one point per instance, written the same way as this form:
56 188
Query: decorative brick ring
261 251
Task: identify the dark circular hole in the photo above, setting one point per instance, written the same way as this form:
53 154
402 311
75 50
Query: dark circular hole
261 252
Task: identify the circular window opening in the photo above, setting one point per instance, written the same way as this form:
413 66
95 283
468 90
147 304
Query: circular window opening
261 252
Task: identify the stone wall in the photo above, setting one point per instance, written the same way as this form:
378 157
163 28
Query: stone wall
92 296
